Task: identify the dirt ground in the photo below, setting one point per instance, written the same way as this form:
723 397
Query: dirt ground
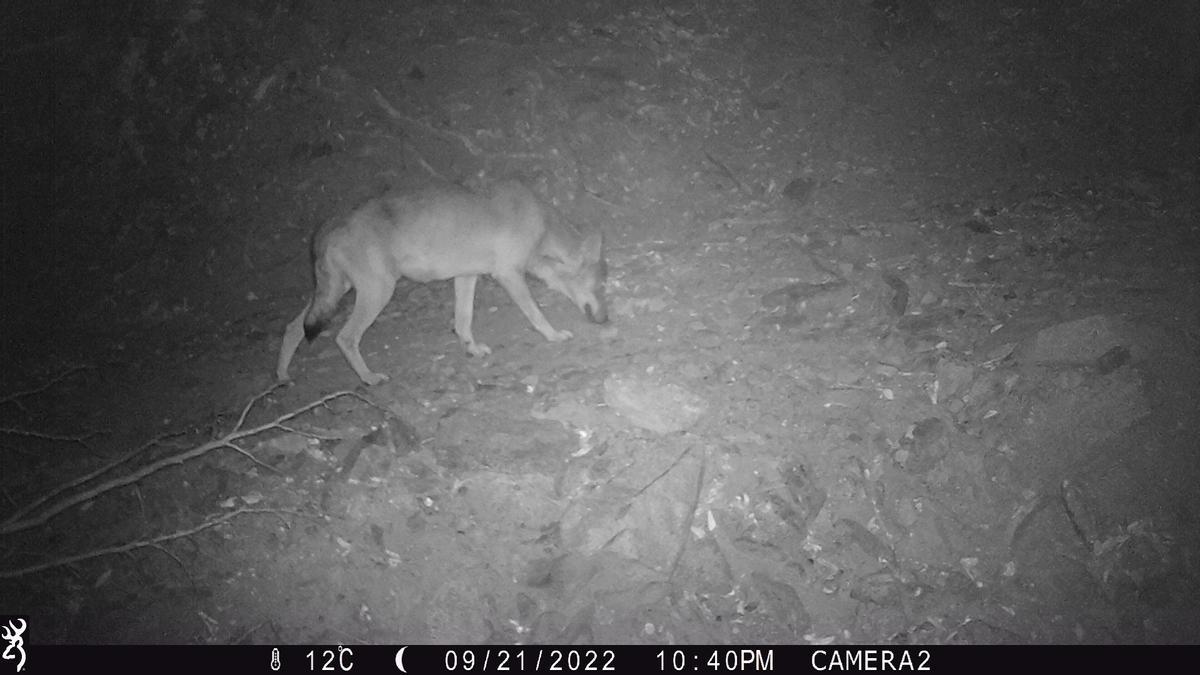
904 338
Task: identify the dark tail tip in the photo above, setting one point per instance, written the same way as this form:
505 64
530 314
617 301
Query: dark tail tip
599 315
313 329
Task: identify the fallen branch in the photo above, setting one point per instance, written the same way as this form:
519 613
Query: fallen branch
686 530
15 399
69 485
728 174
155 542
397 115
45 436
17 395
466 142
19 520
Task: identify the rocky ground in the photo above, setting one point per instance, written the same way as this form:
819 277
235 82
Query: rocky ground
905 328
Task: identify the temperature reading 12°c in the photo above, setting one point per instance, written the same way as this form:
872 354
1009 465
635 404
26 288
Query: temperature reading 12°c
339 659
717 661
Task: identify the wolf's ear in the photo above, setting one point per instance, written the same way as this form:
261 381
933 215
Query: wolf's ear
591 247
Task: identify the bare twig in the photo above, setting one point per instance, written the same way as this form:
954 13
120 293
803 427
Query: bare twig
71 484
15 396
258 397
15 399
45 436
397 115
241 639
426 165
246 453
17 524
613 205
686 530
677 461
129 547
728 174
311 434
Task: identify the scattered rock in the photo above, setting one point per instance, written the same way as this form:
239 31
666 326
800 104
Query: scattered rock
1113 359
807 496
662 409
923 447
1081 341
800 190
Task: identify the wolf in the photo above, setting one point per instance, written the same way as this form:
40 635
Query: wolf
438 233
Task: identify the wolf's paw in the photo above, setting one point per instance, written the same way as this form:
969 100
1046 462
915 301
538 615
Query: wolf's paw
560 335
372 379
478 349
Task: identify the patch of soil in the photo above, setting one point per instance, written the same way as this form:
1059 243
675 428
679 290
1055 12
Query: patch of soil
904 339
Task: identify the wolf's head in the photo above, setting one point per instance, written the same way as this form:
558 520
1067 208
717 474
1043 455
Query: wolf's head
578 274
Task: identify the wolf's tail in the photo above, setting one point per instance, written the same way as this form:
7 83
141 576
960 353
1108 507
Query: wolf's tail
331 286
